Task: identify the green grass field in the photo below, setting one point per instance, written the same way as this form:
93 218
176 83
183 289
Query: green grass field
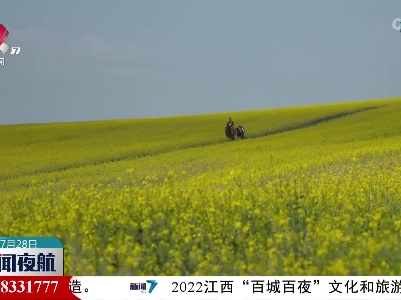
312 190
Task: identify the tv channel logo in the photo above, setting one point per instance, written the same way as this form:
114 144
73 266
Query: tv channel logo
4 48
3 36
142 286
397 24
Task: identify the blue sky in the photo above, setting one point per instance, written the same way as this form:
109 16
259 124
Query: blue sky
91 60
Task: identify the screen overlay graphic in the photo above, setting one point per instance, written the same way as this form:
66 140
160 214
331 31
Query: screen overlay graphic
4 47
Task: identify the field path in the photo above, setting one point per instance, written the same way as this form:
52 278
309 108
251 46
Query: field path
315 122
131 156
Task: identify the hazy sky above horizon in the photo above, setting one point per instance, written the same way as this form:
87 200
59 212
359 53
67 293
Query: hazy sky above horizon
91 60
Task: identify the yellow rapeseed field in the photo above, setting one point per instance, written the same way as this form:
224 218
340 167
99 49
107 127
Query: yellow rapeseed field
311 191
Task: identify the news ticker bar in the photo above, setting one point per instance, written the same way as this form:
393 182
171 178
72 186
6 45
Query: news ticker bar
33 268
200 287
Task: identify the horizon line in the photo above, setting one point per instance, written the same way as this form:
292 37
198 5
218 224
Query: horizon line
202 114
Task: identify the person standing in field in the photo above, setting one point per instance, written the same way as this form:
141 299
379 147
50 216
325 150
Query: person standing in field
230 125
